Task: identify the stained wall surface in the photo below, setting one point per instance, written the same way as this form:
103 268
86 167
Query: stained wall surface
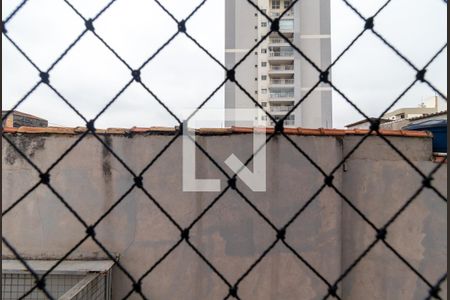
328 234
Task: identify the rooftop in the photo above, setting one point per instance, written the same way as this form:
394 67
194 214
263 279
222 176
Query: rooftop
429 115
16 112
366 121
411 110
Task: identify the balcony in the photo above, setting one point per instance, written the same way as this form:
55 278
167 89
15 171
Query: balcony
282 96
278 68
286 123
279 40
289 14
275 14
281 56
289 81
281 108
281 53
289 122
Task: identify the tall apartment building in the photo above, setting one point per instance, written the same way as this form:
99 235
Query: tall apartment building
275 74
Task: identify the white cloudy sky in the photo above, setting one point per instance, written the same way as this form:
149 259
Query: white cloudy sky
182 76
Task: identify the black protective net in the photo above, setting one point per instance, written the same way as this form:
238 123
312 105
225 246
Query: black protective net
279 233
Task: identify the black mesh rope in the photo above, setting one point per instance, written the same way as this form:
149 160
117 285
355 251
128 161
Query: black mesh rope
181 27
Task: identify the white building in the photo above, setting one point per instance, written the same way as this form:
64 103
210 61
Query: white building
430 108
275 74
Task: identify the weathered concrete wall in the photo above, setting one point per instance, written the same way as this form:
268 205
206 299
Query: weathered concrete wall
329 234
379 188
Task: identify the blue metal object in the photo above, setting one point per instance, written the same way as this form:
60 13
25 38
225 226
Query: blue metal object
439 130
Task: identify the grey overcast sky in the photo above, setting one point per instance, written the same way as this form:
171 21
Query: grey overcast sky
182 76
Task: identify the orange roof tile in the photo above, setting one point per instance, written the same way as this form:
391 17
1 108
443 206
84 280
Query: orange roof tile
439 158
9 130
216 131
117 131
242 129
56 130
154 129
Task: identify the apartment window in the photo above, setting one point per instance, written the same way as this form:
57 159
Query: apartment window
287 3
263 24
264 91
263 64
263 50
264 104
264 118
263 77
276 4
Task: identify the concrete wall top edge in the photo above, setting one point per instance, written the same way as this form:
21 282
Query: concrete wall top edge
212 131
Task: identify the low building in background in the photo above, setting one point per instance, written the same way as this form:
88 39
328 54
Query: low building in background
400 124
399 118
18 119
426 117
364 124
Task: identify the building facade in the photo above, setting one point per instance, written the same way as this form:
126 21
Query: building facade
275 74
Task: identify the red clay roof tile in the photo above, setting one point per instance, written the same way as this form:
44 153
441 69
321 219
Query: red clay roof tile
214 131
217 131
289 131
9 130
80 129
268 130
308 131
242 129
56 130
416 133
326 131
116 130
439 159
154 129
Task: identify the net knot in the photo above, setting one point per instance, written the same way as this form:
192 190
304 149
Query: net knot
44 77
275 26
136 75
182 26
369 24
45 178
329 180
89 25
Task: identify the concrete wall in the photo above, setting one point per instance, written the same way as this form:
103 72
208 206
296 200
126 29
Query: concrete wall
329 234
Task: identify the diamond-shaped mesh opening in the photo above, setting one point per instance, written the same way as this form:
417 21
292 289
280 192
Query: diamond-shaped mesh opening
371 240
